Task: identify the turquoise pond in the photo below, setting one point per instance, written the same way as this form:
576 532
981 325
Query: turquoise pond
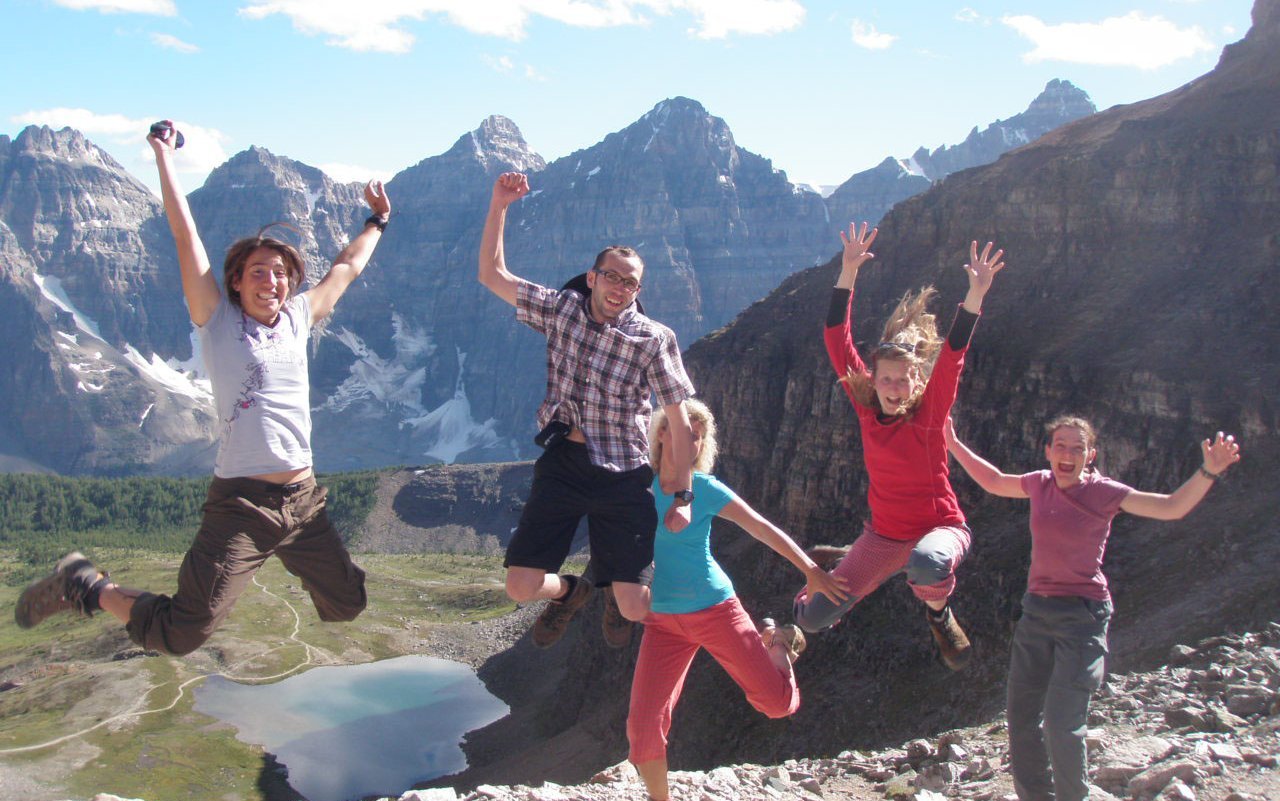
355 730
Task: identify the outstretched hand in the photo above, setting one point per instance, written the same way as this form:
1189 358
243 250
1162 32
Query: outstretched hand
510 187
856 246
1220 453
817 580
375 194
981 270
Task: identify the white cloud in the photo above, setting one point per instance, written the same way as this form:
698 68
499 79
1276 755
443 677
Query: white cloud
380 26
866 35
354 173
1134 40
164 8
173 43
498 63
125 138
967 14
532 74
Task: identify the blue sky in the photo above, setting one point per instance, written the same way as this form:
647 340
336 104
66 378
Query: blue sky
365 89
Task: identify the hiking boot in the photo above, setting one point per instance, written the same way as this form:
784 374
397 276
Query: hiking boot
827 556
616 628
554 620
67 588
953 645
789 637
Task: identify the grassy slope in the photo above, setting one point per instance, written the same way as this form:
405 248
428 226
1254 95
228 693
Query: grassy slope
72 678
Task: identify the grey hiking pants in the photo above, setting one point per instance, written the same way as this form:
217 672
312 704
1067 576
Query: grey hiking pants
1059 647
245 522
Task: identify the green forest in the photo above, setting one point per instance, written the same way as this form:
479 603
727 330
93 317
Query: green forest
43 517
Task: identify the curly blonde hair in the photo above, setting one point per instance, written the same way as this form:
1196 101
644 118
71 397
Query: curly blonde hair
698 413
910 335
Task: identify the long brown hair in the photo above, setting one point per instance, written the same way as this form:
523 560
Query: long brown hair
239 252
910 335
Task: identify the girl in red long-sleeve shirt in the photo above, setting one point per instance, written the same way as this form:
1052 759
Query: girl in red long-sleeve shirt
902 400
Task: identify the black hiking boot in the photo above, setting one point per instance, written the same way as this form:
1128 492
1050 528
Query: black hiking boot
554 620
616 628
67 588
953 644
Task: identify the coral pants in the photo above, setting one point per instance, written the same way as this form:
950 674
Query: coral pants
667 650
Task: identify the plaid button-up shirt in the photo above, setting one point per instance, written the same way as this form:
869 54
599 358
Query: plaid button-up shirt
600 377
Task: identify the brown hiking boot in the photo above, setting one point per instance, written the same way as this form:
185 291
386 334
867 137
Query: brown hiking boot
65 589
789 637
953 645
616 628
827 556
554 620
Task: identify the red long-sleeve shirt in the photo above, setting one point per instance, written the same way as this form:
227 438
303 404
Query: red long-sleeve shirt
906 457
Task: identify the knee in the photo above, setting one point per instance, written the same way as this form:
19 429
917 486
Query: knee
926 568
816 615
183 642
523 588
634 604
343 614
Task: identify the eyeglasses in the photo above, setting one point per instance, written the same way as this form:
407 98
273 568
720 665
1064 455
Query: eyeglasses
614 279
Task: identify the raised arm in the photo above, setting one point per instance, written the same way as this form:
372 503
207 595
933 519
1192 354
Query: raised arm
679 514
1219 454
987 475
981 271
816 579
353 258
199 287
493 273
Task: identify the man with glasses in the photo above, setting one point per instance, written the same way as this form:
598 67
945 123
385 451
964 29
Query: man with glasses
604 360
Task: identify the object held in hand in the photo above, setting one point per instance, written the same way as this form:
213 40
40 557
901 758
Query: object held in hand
163 128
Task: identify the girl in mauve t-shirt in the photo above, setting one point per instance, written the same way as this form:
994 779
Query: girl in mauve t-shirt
1061 639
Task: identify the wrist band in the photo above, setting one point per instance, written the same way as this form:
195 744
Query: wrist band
1210 476
378 221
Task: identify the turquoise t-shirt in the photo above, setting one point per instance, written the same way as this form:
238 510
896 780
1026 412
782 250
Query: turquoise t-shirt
685 576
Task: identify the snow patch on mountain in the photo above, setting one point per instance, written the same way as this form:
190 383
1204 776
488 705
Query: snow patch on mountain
175 380
454 429
51 288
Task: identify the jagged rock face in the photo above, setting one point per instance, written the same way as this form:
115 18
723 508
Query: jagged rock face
419 363
89 287
869 194
717 227
1140 244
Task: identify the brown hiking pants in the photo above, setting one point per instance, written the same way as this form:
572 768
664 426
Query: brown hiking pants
245 522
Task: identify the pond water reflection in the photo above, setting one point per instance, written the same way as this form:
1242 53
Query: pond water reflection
355 730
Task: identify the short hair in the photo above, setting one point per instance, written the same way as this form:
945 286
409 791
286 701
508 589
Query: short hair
617 250
1072 421
699 413
1085 428
240 251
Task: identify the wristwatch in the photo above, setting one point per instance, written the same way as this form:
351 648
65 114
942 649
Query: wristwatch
683 496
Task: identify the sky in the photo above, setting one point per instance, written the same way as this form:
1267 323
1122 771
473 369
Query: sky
823 88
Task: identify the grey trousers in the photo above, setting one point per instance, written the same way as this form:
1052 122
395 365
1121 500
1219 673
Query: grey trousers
1059 647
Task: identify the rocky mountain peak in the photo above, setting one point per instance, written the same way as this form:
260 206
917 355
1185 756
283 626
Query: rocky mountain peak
498 141
1061 99
1262 38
